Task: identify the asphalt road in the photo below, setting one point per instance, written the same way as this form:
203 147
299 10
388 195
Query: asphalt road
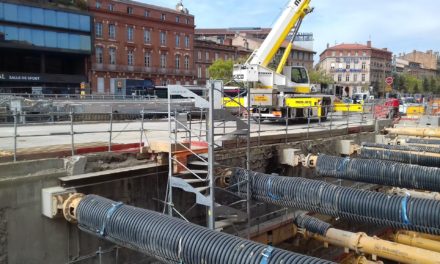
41 135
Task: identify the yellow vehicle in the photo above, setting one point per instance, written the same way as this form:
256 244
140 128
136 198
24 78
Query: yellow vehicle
286 92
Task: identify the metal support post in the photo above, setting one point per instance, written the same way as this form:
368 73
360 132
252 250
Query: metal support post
308 122
170 162
248 163
72 133
348 119
287 124
110 131
15 135
211 129
142 130
259 126
332 108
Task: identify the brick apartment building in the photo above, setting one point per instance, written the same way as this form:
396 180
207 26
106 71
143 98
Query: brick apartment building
357 68
251 38
133 40
207 51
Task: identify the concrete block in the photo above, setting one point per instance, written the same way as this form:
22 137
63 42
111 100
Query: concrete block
289 156
383 123
430 121
24 168
166 146
345 147
75 165
382 139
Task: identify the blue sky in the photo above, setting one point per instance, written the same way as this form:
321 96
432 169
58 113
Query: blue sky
399 25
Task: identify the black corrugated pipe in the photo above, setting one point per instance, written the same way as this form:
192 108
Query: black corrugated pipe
312 224
173 240
422 159
381 172
352 204
425 141
403 148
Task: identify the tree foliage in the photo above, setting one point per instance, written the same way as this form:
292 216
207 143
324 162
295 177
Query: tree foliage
320 77
221 70
407 83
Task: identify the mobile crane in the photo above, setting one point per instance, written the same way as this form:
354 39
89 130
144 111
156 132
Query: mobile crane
285 92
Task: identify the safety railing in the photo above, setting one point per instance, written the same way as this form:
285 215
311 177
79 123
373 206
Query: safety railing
21 133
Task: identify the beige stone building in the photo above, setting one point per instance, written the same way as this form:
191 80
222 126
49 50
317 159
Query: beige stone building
419 64
357 68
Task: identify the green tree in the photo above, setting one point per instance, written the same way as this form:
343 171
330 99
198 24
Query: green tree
415 89
320 77
425 85
221 70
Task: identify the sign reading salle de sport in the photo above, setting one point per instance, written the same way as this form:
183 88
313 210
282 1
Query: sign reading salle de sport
19 77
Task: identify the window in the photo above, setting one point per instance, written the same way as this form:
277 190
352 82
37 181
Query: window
112 55
146 13
98 29
147 36
347 66
177 41
333 53
347 78
111 31
363 77
199 72
163 17
147 59
216 56
187 42
130 58
177 19
186 62
364 66
207 56
364 54
187 21
98 4
299 75
341 54
98 53
130 33
340 78
163 38
355 77
129 10
199 55
163 60
226 57
332 66
356 54
177 61
349 54
207 73
111 7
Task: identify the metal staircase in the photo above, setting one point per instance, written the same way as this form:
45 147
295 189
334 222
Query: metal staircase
197 175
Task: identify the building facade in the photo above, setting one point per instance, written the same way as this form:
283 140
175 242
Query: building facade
357 68
43 49
206 52
252 38
419 64
138 41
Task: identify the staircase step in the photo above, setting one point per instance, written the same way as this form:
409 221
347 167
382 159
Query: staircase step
219 225
192 172
201 189
194 180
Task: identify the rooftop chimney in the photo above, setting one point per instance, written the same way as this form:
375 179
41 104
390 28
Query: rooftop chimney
328 45
369 43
